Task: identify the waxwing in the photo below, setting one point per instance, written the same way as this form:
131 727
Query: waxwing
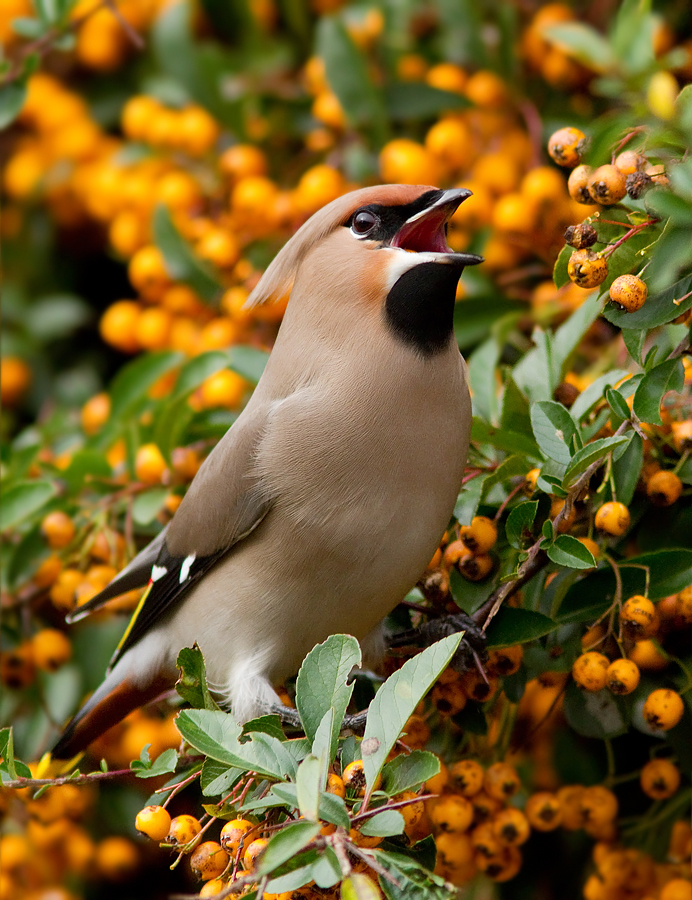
322 505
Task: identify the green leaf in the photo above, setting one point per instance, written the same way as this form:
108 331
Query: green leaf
594 715
56 316
269 724
517 626
7 751
321 684
308 782
634 341
212 732
396 700
560 274
415 100
583 43
407 773
148 505
468 499
84 466
668 376
519 524
553 428
12 97
197 370
617 403
470 595
516 414
192 681
333 809
509 441
348 76
359 886
217 779
627 468
482 363
512 467
536 373
247 361
24 499
589 454
181 262
570 333
285 844
384 824
658 309
411 879
165 762
475 316
133 381
327 871
568 551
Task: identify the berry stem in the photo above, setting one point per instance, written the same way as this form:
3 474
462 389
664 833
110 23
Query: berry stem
631 233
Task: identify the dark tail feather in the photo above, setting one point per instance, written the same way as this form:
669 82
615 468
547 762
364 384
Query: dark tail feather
107 706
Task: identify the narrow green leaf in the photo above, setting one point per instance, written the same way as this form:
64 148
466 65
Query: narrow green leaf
668 376
634 341
468 499
24 499
134 380
510 441
570 333
181 262
553 428
414 100
397 698
321 684
285 844
568 551
591 453
192 681
308 782
617 403
12 97
407 773
582 42
519 524
148 505
517 626
7 751
384 824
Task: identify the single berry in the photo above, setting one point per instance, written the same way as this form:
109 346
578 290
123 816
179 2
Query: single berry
581 236
663 709
154 821
622 676
578 184
566 146
607 185
466 777
209 860
638 616
664 488
543 811
629 292
590 671
480 535
660 779
587 269
613 518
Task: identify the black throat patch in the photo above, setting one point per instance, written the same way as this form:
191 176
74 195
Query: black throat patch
419 309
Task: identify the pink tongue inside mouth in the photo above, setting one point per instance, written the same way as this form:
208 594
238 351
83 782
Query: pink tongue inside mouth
425 234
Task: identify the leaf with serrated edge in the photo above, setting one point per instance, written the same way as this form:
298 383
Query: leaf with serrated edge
396 700
321 685
583 458
285 844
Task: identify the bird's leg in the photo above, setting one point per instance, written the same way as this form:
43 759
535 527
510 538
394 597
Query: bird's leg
471 651
290 717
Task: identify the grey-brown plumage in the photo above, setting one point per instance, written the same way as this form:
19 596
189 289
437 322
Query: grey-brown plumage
322 505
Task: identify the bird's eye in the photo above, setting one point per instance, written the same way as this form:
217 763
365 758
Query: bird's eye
363 222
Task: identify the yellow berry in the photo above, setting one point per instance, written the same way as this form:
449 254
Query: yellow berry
51 649
664 488
660 779
58 529
629 292
209 860
663 709
233 834
543 811
622 676
184 828
613 518
566 146
480 535
154 821
452 813
587 269
590 671
501 781
149 464
607 185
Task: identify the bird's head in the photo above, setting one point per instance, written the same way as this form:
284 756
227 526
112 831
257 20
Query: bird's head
384 246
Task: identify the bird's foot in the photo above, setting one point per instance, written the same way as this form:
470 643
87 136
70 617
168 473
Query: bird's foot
471 651
290 718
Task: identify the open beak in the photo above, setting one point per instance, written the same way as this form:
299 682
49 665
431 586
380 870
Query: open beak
425 231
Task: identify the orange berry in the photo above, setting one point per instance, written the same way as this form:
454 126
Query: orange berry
154 821
450 141
578 184
587 269
638 616
484 840
677 889
225 388
15 378
598 806
590 671
501 781
149 464
648 656
95 413
354 778
117 325
317 187
613 518
219 247
216 886
183 830
448 699
663 709
682 435
242 161
511 827
17 667
209 860
630 161
664 488
403 161
327 109
447 77
607 185
177 190
117 858
566 146
543 811
660 779
452 813
622 676
466 777
233 834
486 89
48 572
153 328
51 649
62 593
531 477
507 661
629 292
335 785
254 849
147 272
480 535
197 131
58 529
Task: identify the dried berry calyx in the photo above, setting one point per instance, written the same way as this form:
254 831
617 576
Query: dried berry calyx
637 183
581 236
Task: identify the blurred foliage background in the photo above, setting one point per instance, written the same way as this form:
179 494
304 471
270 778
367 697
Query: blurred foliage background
155 156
